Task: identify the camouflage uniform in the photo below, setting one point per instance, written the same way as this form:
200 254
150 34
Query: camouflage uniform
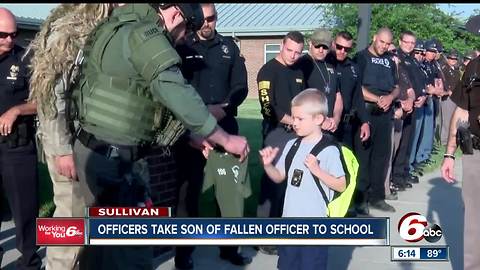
56 141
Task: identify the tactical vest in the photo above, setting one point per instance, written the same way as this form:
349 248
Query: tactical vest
120 106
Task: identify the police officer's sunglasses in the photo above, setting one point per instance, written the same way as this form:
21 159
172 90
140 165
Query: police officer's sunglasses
5 35
340 47
210 19
323 46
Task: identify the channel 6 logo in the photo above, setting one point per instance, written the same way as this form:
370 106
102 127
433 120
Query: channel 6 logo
414 227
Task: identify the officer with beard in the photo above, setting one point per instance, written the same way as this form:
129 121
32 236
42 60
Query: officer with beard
213 66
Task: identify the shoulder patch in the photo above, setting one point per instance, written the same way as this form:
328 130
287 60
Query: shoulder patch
149 32
264 85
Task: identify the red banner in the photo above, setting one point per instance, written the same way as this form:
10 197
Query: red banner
60 231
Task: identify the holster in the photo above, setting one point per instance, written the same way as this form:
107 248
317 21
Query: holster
20 136
464 140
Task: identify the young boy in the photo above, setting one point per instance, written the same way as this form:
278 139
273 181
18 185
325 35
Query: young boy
302 198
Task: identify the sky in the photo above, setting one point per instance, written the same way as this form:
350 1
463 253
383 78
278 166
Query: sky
42 10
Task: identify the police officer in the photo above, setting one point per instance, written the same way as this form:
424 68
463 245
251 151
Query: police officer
18 166
56 46
419 81
380 89
212 64
401 176
321 75
466 117
130 83
354 124
451 73
434 89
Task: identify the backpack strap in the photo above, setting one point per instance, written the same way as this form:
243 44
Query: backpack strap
326 140
291 153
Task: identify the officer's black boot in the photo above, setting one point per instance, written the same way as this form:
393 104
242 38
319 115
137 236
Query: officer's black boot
230 253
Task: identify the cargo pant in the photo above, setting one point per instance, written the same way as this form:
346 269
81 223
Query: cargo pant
96 186
59 258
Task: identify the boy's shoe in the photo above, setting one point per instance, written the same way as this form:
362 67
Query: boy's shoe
382 206
269 250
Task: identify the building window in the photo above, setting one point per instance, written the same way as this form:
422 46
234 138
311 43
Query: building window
271 50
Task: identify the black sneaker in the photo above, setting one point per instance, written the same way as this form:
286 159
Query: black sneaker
362 209
185 263
382 206
236 259
413 179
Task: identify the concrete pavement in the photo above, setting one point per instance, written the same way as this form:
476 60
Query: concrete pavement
432 197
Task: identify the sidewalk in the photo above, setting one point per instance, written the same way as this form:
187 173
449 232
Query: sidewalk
438 201
432 197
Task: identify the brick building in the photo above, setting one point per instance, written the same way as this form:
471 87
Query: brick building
259 29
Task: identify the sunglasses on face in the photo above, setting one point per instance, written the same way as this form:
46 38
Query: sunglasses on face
210 19
419 52
340 47
452 58
323 46
5 35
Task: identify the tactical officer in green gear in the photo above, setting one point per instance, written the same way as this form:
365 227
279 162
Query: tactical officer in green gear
128 97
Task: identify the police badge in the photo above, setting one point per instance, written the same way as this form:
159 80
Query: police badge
13 73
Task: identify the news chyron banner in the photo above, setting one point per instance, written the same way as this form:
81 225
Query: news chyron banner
155 226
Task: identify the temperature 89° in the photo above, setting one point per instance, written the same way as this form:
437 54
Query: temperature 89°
433 253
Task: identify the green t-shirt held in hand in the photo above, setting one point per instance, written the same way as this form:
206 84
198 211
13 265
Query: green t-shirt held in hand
231 180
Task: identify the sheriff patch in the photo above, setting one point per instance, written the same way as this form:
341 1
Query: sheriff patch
264 85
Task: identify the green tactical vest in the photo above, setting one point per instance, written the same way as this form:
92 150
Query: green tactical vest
120 108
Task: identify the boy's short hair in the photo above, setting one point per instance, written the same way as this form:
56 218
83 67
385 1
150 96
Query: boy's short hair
315 101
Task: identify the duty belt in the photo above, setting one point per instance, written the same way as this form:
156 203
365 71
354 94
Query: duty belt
126 153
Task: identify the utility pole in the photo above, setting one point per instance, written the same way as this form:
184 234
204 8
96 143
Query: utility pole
364 19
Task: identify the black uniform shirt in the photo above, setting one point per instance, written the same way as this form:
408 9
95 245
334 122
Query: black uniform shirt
277 86
349 83
14 79
320 75
467 94
452 77
379 74
216 70
417 75
431 71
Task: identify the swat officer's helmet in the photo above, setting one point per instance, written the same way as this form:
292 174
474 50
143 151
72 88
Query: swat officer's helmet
192 13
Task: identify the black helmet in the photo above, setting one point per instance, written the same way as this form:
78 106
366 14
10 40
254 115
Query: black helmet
192 13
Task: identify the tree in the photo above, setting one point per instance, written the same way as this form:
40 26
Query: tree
425 20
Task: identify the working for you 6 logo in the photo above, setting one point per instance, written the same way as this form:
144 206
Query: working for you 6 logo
414 227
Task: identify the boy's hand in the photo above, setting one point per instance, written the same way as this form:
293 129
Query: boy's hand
312 163
268 154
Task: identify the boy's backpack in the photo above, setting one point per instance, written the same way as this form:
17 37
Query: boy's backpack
340 202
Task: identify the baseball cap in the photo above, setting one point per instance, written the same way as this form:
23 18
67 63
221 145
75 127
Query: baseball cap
321 37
